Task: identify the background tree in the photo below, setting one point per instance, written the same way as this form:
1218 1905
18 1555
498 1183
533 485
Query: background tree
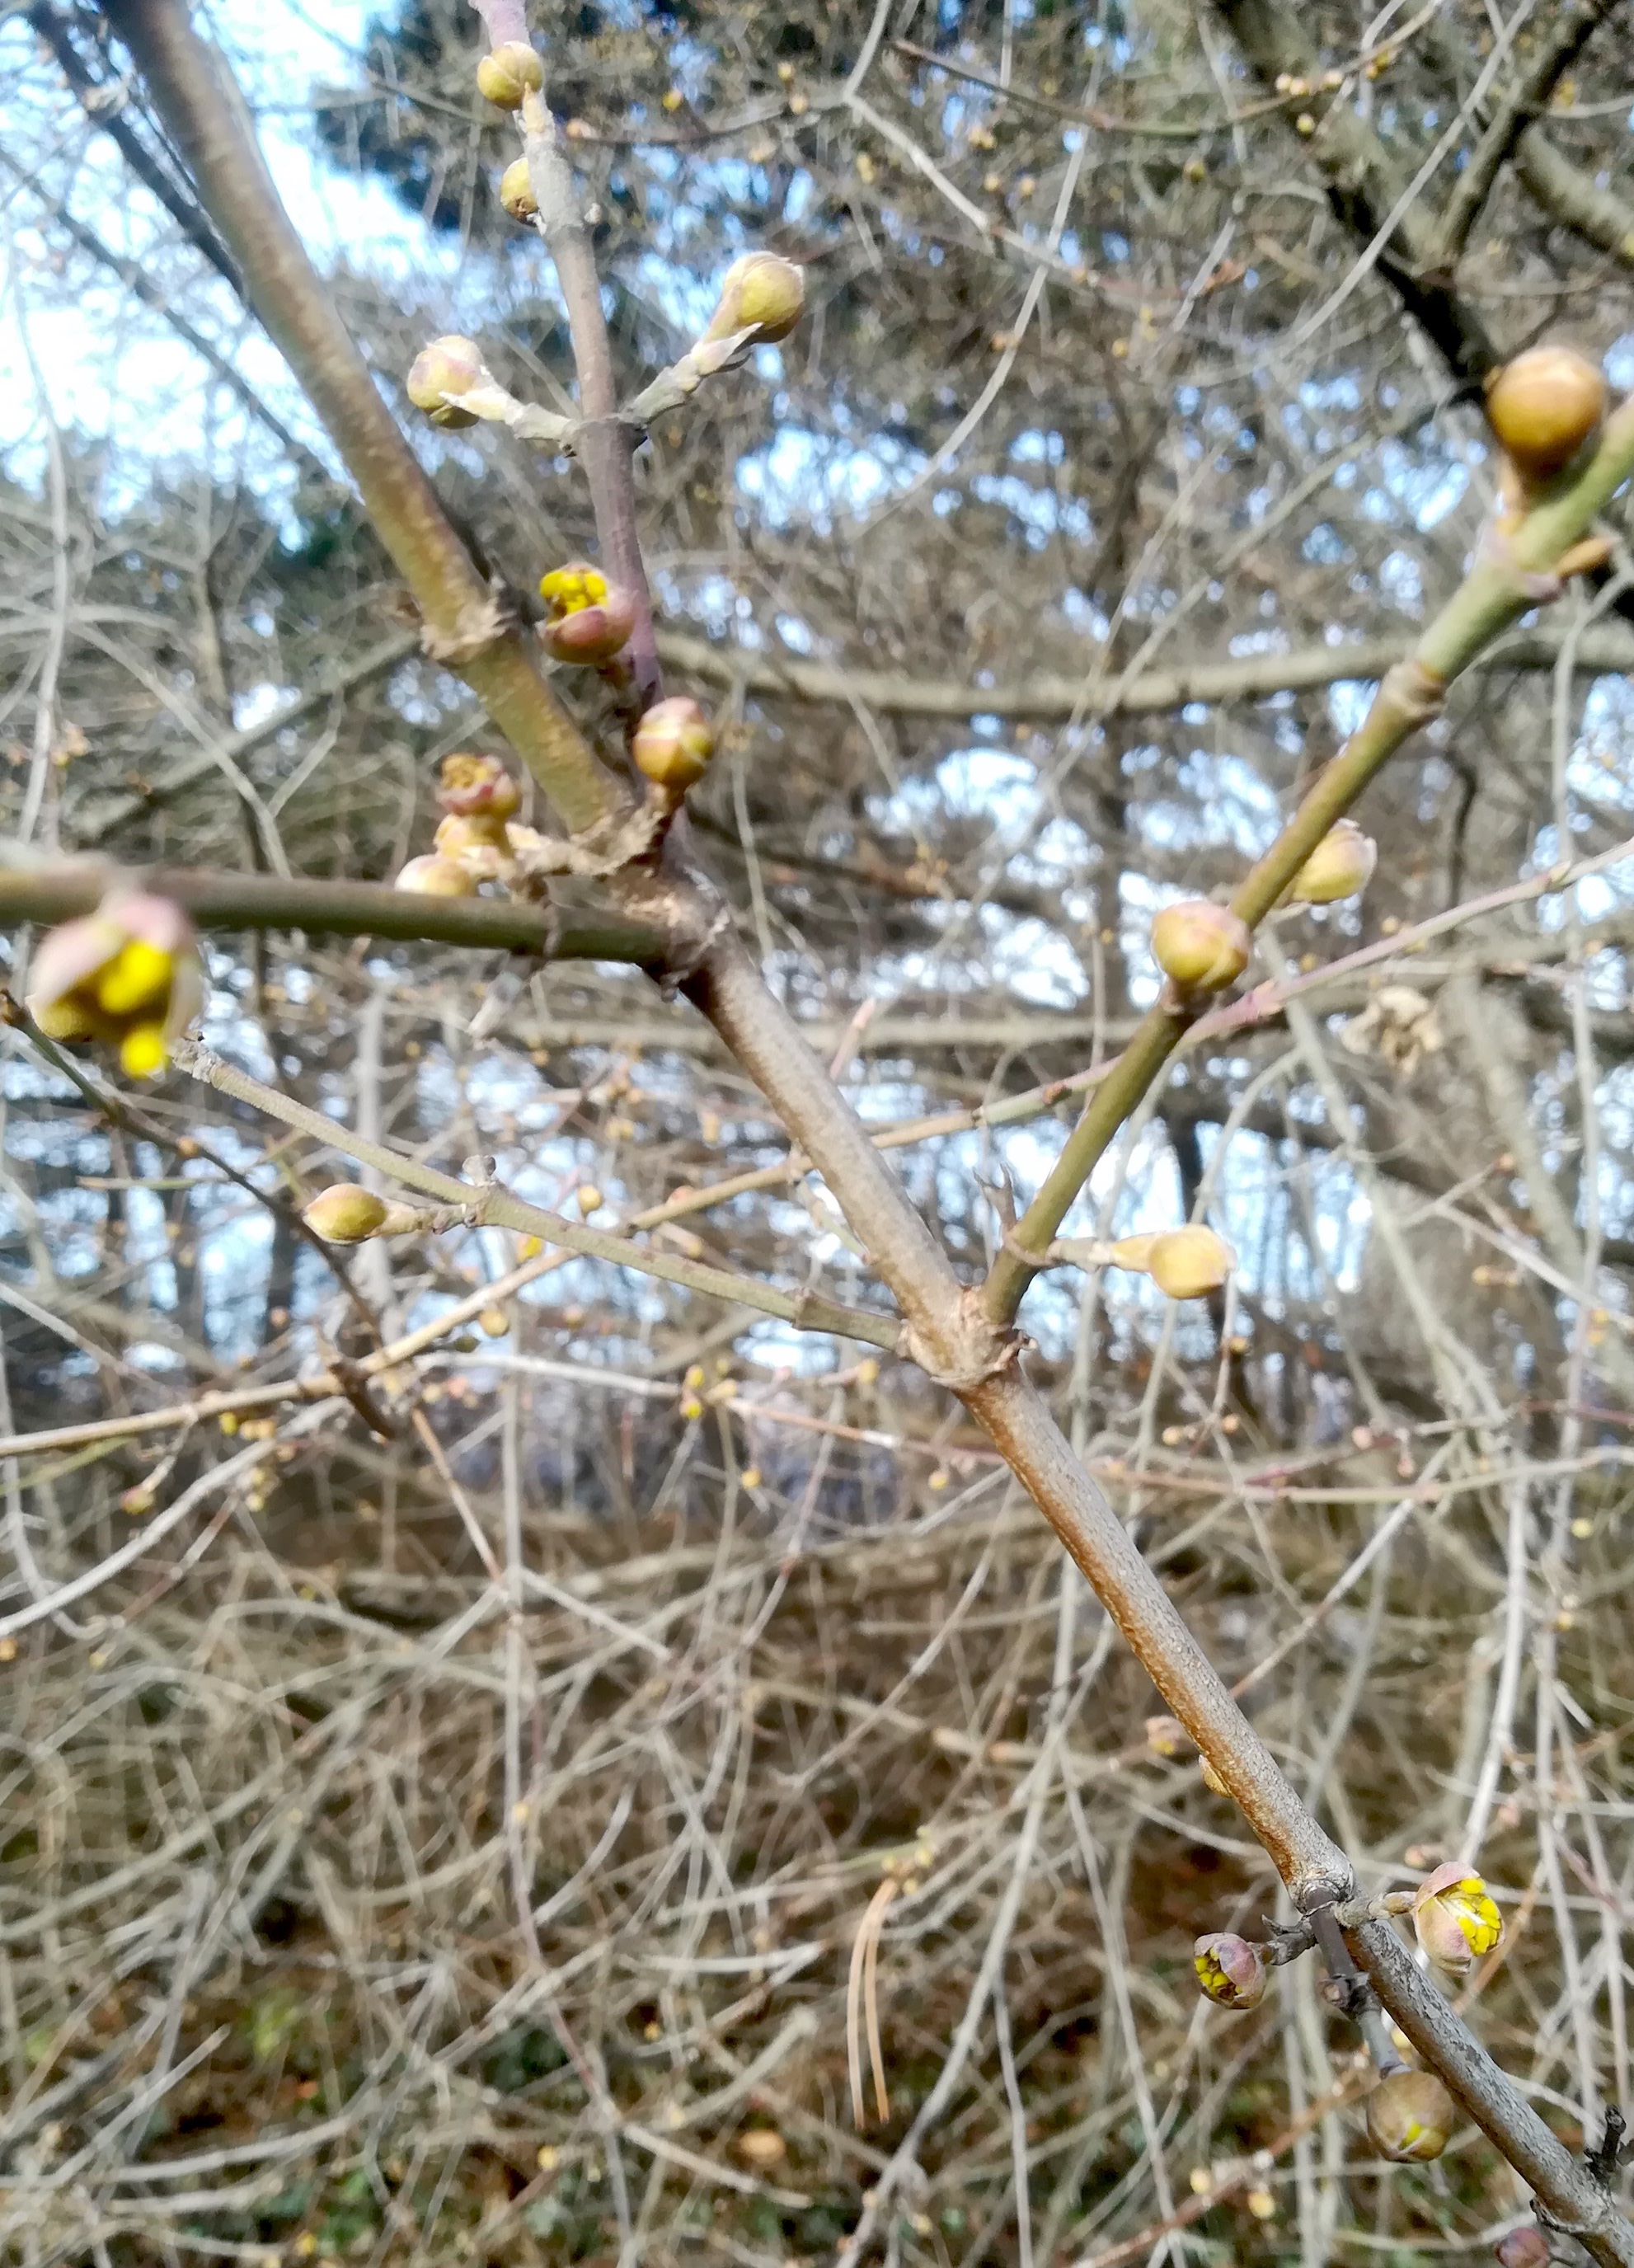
1029 583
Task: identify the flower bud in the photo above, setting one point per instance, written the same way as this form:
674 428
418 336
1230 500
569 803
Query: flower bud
434 876
674 743
1212 1778
1455 1918
1523 2248
1186 1263
759 293
1203 947
346 1214
516 191
1410 2116
513 70
1231 1971
470 783
473 842
590 619
1341 866
448 367
1166 1736
1543 407
128 975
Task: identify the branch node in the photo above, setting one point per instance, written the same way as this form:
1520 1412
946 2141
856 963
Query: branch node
969 1352
480 623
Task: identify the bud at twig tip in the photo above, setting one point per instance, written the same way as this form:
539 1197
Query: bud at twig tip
760 292
1186 1263
590 620
516 191
346 1214
1544 406
1455 1918
449 367
1231 1970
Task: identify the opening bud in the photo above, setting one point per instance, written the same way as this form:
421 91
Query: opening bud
1411 2117
1231 1971
1544 408
474 843
472 784
345 1213
1455 1918
128 975
516 191
1523 2248
1341 866
440 373
589 618
1166 1736
511 72
1201 946
674 743
760 292
433 876
1186 1263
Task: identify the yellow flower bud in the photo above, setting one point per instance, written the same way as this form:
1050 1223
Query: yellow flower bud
129 975
1230 1970
1186 1263
434 876
1455 1918
759 293
346 1214
590 619
1543 407
674 743
516 191
1203 947
447 368
1341 866
1411 2117
493 1322
590 1200
513 70
468 783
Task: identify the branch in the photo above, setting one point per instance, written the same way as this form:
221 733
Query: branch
488 1206
1525 102
203 111
1497 591
1045 699
219 901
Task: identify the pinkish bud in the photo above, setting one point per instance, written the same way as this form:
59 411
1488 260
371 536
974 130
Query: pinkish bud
440 373
674 743
1231 1971
1523 2248
128 975
1341 866
1411 2117
434 876
1166 1736
1455 1918
1185 1264
471 783
1203 947
589 618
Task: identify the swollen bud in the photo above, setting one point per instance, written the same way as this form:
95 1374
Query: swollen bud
1231 1971
589 618
1411 2117
511 72
448 367
674 743
1455 1918
470 785
346 1214
1523 2248
516 191
760 292
1341 866
1203 947
434 876
1186 1263
1544 408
